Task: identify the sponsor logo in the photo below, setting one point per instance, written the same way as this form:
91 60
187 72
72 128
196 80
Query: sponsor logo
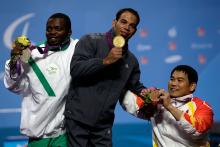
202 58
200 31
172 32
143 59
143 33
173 59
201 46
172 45
144 47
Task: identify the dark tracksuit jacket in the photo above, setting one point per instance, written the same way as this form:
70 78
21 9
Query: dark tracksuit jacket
96 88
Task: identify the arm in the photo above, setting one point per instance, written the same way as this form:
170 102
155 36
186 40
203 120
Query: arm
132 103
13 81
91 57
166 101
198 119
135 105
83 62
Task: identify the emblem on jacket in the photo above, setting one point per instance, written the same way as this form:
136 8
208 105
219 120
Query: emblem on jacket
52 70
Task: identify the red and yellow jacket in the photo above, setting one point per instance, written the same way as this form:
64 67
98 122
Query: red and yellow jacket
190 130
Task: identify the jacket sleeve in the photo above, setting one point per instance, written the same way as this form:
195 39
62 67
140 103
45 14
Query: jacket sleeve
84 64
134 105
15 83
198 120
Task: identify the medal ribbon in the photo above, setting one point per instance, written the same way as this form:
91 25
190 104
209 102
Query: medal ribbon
36 69
109 37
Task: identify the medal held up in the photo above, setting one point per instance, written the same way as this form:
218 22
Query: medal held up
118 41
23 43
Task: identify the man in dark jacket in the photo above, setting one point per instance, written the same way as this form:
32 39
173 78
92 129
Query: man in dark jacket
101 73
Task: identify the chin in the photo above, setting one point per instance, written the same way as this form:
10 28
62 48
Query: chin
173 95
53 43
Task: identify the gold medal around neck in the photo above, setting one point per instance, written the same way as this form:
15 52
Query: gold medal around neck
118 41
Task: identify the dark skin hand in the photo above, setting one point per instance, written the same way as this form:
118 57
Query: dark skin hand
114 55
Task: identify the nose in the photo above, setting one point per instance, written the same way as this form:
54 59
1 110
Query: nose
52 31
174 82
126 27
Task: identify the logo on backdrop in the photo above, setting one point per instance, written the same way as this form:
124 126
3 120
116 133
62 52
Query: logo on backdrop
8 35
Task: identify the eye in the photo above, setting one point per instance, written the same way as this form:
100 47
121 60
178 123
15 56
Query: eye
48 29
180 80
133 26
58 28
123 21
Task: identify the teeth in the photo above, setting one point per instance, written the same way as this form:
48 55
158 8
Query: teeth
53 39
173 89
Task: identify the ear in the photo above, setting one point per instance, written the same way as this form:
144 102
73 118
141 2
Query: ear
193 87
114 22
70 33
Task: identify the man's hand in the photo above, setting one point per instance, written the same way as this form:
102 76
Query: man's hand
114 55
165 99
16 50
151 95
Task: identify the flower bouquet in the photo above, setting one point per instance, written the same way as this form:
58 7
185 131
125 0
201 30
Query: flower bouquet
23 43
149 97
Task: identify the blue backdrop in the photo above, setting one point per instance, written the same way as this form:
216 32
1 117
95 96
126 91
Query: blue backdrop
171 32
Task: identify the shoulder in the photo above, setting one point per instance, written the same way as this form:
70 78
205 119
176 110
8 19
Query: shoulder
41 44
199 102
73 41
92 36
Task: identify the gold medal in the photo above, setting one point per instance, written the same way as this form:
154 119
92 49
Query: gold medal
118 41
26 54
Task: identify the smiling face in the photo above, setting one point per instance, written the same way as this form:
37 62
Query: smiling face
179 84
56 31
125 25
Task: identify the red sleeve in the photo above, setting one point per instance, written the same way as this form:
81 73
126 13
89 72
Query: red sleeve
139 102
203 116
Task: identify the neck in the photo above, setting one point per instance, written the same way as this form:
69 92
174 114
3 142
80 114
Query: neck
62 46
183 98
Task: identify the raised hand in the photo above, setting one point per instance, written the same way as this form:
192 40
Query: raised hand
114 55
165 99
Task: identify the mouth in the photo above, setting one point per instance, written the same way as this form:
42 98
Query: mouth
52 40
173 90
124 34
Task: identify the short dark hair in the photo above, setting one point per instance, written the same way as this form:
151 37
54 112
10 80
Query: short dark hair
189 71
118 14
64 16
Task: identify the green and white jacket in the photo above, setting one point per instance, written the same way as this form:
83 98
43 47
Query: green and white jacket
43 99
